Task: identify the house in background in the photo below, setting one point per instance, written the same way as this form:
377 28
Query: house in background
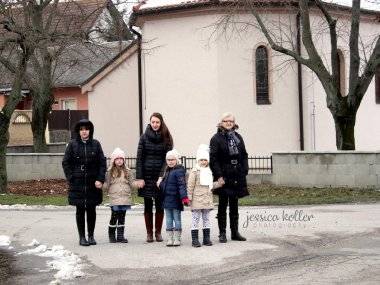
107 35
192 74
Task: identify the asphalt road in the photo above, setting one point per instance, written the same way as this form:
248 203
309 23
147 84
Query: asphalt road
334 244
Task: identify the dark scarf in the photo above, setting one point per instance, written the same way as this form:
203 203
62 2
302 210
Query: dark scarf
153 136
232 141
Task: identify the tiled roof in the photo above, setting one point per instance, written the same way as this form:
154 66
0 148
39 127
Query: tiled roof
69 17
77 64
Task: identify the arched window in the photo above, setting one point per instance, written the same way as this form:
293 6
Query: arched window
377 85
262 82
341 73
21 119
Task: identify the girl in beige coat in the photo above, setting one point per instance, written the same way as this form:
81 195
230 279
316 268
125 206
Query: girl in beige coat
119 183
200 185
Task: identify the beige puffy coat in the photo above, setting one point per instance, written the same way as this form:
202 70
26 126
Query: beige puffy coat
119 189
199 195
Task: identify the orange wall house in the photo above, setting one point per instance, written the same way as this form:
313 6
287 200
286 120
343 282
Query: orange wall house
69 98
2 100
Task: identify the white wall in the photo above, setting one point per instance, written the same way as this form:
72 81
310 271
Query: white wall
113 108
192 79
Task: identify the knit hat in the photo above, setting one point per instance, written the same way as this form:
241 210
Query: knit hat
173 153
203 152
117 153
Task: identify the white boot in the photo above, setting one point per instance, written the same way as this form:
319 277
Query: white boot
177 238
170 241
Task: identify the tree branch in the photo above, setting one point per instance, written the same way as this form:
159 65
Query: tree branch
333 41
354 46
366 78
273 44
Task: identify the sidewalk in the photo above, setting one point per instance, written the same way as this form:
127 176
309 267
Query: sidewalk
318 235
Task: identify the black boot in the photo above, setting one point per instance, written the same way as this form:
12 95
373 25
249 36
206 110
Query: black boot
83 241
234 224
206 237
222 223
194 237
121 227
222 237
91 240
91 219
112 227
81 226
111 233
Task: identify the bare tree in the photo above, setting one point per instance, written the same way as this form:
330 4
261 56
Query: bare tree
19 47
33 37
343 107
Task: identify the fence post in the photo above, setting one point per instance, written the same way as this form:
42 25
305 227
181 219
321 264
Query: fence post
183 161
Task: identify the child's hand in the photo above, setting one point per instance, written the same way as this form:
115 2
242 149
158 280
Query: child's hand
159 182
186 201
140 183
98 184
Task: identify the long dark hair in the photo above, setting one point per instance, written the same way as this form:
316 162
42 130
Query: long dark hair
165 133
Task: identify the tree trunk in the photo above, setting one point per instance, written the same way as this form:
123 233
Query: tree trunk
42 104
345 132
4 139
41 110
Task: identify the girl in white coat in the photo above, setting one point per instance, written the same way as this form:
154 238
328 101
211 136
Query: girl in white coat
200 185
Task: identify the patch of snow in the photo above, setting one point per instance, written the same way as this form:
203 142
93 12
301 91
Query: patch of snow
32 207
34 242
65 262
10 247
5 241
39 249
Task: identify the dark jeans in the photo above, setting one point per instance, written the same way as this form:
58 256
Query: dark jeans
224 201
148 205
91 219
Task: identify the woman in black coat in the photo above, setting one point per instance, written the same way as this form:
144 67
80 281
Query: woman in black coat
153 146
229 165
84 165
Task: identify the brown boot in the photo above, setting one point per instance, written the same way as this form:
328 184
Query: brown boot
159 217
149 226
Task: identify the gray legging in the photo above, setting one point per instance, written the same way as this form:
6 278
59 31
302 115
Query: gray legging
196 216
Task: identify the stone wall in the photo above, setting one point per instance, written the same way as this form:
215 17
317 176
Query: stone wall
30 166
324 169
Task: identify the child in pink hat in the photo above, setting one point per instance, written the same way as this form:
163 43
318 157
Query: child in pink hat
119 183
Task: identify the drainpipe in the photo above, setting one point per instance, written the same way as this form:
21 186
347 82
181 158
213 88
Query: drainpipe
300 95
139 37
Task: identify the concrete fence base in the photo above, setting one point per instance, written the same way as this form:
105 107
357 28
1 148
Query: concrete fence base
34 166
302 169
325 169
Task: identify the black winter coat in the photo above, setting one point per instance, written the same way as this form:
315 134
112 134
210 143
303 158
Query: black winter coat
83 164
151 153
173 187
233 168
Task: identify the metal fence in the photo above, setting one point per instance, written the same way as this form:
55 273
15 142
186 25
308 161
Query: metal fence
256 164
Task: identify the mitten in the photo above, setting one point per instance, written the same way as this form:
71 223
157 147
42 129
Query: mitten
186 201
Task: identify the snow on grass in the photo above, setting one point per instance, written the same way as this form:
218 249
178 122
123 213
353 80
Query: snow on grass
67 264
34 242
5 241
53 207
